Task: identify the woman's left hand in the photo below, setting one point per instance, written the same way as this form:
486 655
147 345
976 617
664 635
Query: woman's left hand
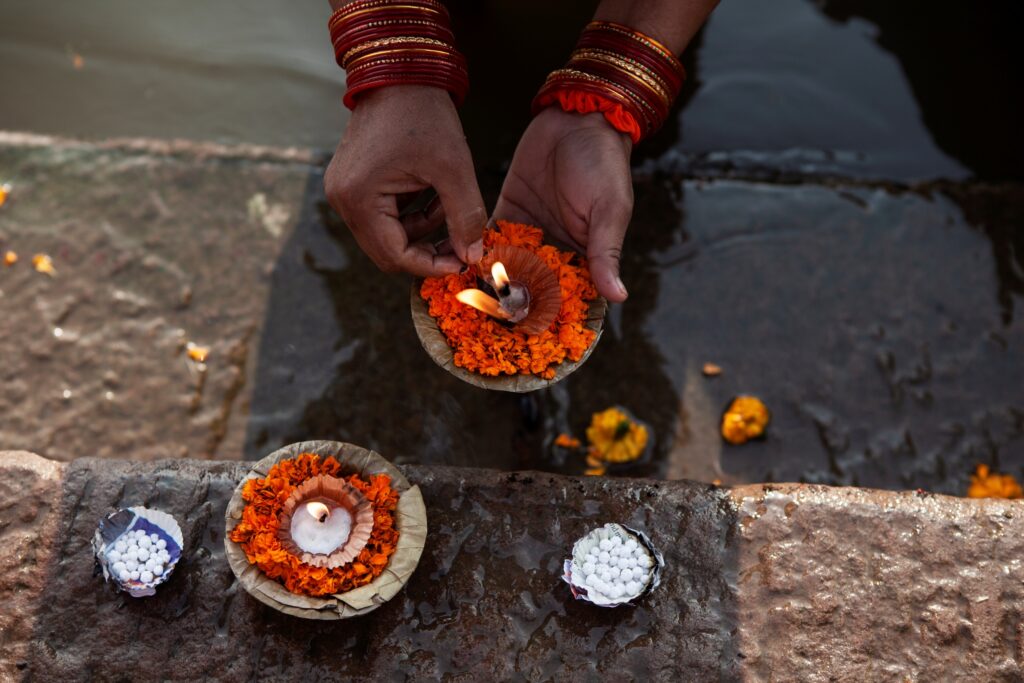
570 175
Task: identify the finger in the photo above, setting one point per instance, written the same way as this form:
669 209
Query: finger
464 210
418 258
419 224
604 250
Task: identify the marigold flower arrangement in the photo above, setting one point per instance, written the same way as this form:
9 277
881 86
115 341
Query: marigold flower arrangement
484 345
988 484
257 532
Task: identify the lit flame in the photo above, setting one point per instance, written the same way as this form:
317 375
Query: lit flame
318 511
480 301
501 279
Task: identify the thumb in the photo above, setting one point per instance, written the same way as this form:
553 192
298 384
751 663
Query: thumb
464 210
604 249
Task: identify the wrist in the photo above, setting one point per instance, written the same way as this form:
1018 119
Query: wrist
560 123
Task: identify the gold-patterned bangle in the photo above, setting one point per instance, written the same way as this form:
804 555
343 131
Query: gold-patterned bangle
641 38
628 70
358 13
421 60
639 101
382 42
654 75
407 51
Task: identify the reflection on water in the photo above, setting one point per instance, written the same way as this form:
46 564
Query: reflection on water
880 328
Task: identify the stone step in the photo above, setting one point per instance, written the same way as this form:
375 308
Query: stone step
781 582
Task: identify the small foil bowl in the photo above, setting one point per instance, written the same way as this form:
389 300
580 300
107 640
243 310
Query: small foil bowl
574 574
116 526
410 521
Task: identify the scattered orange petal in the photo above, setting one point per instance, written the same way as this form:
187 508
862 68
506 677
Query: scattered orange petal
712 370
196 352
10 258
986 484
595 471
44 264
5 190
77 61
567 441
746 418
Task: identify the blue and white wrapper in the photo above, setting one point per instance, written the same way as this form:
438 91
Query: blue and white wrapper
116 525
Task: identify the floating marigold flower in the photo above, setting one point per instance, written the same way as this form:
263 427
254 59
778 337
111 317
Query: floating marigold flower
44 264
746 418
616 437
483 344
10 258
986 484
567 441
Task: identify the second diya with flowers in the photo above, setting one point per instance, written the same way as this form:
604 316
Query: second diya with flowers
324 530
525 317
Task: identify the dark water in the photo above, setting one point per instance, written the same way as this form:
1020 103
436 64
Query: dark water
881 324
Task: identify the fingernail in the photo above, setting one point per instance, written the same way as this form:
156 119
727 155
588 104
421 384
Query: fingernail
621 286
476 251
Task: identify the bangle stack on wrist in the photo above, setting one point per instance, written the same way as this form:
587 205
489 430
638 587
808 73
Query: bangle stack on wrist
397 42
629 77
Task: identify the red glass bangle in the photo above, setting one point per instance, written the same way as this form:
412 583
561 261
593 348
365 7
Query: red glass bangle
395 42
629 77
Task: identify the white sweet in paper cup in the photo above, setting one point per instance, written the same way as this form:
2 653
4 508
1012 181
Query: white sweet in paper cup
613 565
137 548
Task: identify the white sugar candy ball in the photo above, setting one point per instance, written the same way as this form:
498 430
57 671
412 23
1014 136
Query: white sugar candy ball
139 533
113 555
631 543
131 564
119 567
146 576
591 580
588 568
144 542
614 592
154 537
124 575
614 571
134 574
120 546
606 576
622 563
132 553
632 588
605 544
616 540
644 578
630 562
143 555
158 569
160 543
626 575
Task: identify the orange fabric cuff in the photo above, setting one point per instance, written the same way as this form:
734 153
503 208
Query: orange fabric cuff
587 103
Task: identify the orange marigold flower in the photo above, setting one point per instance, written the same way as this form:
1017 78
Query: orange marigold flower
746 418
256 533
482 344
615 437
986 484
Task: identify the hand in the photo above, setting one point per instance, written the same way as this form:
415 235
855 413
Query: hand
570 175
401 140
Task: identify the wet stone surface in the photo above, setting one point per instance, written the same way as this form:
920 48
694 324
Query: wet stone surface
762 583
486 601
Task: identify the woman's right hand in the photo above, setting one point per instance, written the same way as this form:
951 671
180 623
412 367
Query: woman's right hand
401 140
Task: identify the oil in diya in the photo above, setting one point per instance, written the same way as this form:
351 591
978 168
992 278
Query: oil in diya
528 294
